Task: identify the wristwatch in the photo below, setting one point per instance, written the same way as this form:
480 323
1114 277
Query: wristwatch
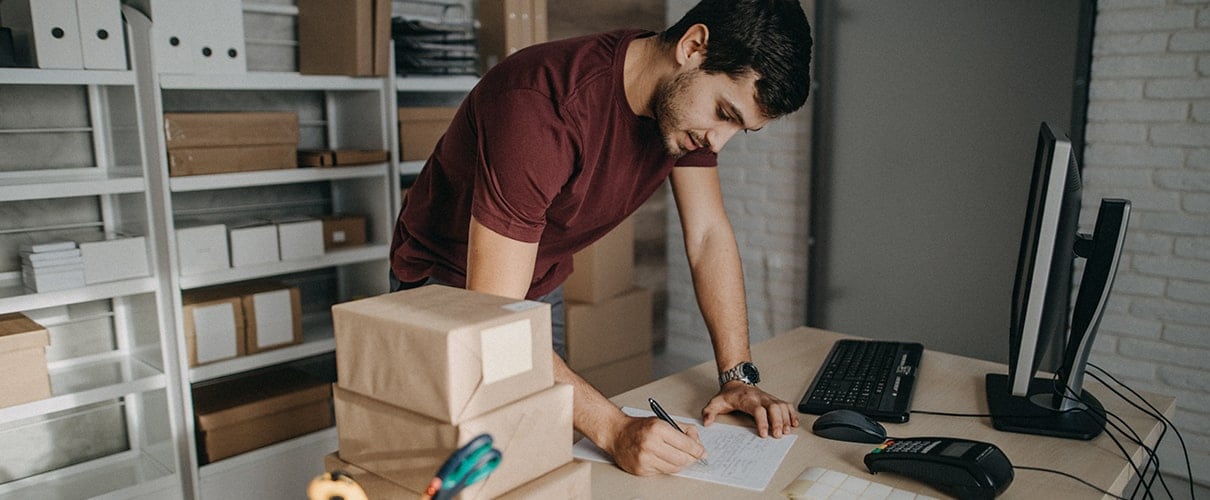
745 372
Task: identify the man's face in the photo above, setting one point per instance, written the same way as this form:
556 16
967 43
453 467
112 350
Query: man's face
696 109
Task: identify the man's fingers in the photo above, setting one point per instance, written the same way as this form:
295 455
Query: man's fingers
762 421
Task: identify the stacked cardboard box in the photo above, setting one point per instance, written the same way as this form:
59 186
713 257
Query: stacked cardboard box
350 37
23 373
422 372
215 143
609 320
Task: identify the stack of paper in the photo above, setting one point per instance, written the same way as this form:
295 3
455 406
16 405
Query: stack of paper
444 46
46 267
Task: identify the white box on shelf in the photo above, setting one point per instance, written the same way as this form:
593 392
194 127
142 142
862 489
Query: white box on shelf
252 242
115 259
201 248
54 278
102 43
46 33
300 238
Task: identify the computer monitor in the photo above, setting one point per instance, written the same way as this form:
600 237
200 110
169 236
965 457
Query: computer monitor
1050 242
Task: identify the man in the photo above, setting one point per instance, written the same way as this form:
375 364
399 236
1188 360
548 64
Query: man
562 141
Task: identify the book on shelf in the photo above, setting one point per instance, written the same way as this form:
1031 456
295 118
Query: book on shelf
50 246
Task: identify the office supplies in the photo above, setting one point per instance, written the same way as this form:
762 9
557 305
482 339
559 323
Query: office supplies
46 33
819 483
663 415
874 378
103 45
333 486
468 465
961 467
848 425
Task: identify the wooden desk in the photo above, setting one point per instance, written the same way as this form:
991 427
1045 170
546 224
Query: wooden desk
947 383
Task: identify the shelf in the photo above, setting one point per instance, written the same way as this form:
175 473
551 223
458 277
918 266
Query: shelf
317 339
35 76
86 384
430 83
368 253
273 177
15 297
133 475
269 80
69 185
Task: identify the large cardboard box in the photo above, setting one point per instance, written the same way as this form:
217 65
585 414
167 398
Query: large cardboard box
201 247
214 326
419 130
443 352
224 129
604 269
350 37
115 258
607 331
243 414
616 377
227 159
406 448
23 373
343 231
572 481
506 26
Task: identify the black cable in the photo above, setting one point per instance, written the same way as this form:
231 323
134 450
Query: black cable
1061 473
1138 439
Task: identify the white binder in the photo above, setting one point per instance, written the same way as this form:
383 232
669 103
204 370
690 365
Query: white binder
172 42
219 27
46 33
101 39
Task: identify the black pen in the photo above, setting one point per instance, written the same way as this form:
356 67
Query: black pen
663 415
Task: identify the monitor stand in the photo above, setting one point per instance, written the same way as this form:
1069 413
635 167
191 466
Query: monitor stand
1038 414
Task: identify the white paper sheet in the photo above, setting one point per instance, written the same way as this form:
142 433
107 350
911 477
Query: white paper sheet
736 455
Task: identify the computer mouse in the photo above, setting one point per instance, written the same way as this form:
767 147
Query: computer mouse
848 425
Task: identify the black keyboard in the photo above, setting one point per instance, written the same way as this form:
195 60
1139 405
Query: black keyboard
872 377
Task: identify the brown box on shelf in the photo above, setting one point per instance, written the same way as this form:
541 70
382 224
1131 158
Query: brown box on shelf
604 269
611 330
341 157
316 158
225 129
616 377
572 481
23 374
343 231
507 26
228 159
405 447
350 37
272 317
446 353
214 326
419 130
247 413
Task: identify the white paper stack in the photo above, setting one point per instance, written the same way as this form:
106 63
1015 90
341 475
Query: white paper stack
46 267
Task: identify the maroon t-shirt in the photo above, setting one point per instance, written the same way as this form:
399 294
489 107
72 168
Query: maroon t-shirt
545 149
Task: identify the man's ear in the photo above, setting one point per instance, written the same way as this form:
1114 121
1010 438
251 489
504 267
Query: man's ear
691 48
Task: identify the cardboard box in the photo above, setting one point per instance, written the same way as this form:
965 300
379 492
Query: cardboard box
605 269
419 130
350 37
572 481
341 157
343 231
214 326
444 352
201 248
608 331
406 448
115 259
228 159
616 377
23 374
207 130
300 238
243 414
252 242
272 317
506 26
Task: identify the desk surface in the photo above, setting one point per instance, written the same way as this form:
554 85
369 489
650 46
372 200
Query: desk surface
947 383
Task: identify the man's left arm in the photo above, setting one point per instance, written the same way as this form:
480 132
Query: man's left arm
718 283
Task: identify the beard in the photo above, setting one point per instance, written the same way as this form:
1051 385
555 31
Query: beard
667 105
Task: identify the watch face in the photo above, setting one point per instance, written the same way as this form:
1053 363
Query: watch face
751 373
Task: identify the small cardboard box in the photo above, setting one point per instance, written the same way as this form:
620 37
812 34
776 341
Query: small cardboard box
202 248
272 317
300 238
605 269
350 37
227 159
406 448
23 373
252 242
419 130
616 377
343 231
214 326
607 331
247 413
114 259
444 352
208 130
506 26
572 481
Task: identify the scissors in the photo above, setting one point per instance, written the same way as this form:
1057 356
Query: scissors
470 464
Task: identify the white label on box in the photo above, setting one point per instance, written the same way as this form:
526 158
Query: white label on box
338 236
506 350
214 330
274 318
524 305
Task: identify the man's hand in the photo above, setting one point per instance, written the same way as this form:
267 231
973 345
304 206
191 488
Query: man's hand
648 446
773 416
